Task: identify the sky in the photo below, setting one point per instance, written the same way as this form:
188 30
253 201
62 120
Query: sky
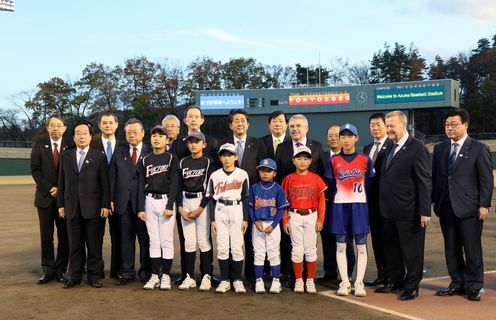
43 39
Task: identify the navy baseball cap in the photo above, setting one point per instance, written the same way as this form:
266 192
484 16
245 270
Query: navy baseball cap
159 129
196 134
227 148
351 128
267 163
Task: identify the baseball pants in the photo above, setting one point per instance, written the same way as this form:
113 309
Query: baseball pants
160 228
228 220
196 231
266 244
303 236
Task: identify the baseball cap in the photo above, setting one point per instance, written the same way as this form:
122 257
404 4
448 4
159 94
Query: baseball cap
267 163
159 129
227 148
302 149
196 134
348 127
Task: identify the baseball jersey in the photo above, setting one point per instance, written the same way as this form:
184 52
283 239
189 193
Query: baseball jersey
158 175
267 202
193 177
349 172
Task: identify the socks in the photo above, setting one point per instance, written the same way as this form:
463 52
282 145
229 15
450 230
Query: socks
276 271
311 269
190 258
206 259
237 269
341 261
298 269
166 266
155 262
259 271
361 262
224 269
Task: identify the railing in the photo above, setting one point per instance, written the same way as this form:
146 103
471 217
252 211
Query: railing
15 144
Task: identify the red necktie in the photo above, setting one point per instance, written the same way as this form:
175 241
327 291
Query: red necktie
134 156
55 155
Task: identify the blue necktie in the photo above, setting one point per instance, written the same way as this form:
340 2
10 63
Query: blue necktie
240 151
391 155
452 157
109 151
81 160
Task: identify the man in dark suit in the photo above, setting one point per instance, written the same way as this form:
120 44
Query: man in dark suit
298 129
376 150
124 199
404 202
44 169
250 151
278 125
107 144
462 179
83 200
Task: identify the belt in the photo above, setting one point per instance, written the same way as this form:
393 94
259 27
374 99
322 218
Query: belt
156 195
192 195
303 212
229 202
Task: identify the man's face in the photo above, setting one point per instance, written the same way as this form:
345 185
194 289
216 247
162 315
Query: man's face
278 125
108 126
396 128
134 133
193 119
56 128
82 136
377 128
172 129
454 128
239 125
298 129
333 138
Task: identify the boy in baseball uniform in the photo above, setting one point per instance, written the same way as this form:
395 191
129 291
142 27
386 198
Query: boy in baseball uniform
228 188
350 171
267 203
157 194
305 217
194 172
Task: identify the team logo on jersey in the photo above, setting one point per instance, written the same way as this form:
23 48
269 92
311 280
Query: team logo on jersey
352 173
153 170
259 202
226 186
193 173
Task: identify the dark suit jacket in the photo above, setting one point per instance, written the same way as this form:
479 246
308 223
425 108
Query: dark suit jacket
269 145
469 185
43 169
180 149
405 187
284 159
124 178
372 196
89 188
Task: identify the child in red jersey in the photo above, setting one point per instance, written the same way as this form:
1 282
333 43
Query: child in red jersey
305 217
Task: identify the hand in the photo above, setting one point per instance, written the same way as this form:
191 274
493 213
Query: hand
483 213
104 212
244 226
168 213
184 214
425 221
193 214
286 228
62 212
259 226
213 226
268 230
53 192
318 226
142 215
112 208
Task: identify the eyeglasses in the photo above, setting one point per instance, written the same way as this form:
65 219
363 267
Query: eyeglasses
452 125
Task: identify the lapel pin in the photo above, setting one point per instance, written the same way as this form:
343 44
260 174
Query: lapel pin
125 158
87 161
46 145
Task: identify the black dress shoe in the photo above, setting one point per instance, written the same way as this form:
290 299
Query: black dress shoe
60 277
45 278
123 281
179 280
409 294
474 295
375 283
450 292
71 284
325 278
95 283
215 281
389 287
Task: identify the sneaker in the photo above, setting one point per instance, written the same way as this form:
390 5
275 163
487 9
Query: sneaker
299 287
310 286
165 283
344 289
187 283
276 286
259 286
223 287
152 283
206 283
239 287
360 290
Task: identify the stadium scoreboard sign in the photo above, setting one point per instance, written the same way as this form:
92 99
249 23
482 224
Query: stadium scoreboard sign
222 102
315 99
409 94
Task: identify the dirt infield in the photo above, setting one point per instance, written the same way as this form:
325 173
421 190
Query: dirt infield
21 298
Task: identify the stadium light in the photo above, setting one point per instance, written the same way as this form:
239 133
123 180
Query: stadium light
7 5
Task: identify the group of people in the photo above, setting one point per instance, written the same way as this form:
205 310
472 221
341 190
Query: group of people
270 195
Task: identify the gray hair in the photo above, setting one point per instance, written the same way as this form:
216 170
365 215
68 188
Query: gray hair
171 117
299 117
396 113
133 121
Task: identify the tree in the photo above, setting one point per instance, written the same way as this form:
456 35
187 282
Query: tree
137 83
310 75
244 73
202 74
279 76
105 85
168 82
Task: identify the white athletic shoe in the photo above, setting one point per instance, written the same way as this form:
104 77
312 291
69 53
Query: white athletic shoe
360 290
299 287
165 283
152 283
276 286
260 286
223 287
187 283
239 287
311 286
206 283
344 289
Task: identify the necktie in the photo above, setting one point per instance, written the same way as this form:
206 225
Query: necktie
81 160
109 151
240 151
276 143
452 157
299 144
134 156
391 155
55 155
376 152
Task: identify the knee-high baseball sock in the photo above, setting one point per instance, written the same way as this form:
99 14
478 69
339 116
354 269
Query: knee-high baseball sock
166 266
224 269
341 261
361 262
276 271
238 269
259 271
156 263
298 269
190 263
311 269
206 259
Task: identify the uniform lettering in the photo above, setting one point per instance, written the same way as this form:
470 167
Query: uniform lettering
226 186
193 173
153 170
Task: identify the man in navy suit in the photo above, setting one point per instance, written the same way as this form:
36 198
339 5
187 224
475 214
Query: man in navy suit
124 199
278 125
462 178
